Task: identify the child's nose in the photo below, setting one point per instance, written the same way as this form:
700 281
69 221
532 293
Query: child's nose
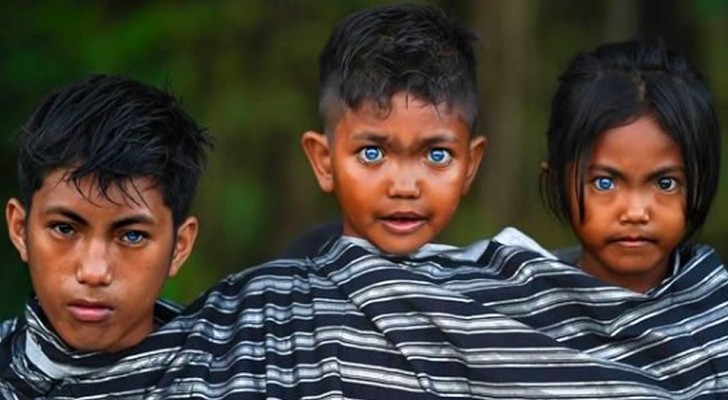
404 183
636 209
94 267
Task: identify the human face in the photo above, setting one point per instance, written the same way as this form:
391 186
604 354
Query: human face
634 204
398 176
98 264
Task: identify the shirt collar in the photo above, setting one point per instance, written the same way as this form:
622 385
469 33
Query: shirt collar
44 349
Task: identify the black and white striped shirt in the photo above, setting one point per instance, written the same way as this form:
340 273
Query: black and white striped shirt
510 323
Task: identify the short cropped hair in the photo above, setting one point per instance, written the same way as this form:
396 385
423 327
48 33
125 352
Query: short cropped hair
375 53
114 129
613 86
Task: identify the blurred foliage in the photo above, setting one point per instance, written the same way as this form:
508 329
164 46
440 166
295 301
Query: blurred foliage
247 71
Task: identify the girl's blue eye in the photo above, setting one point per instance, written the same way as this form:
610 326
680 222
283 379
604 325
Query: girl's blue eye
604 183
371 154
132 237
667 184
439 156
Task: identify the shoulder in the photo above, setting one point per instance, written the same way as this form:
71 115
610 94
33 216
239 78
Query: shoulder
283 280
513 237
703 256
277 282
7 327
314 240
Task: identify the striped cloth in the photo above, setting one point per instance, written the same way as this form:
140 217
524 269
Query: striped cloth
507 323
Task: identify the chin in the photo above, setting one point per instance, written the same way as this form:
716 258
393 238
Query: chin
85 346
400 251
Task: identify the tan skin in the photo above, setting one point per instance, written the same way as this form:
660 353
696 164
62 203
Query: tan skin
634 200
398 176
97 265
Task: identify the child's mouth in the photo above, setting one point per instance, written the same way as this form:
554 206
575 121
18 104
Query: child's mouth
633 241
89 312
403 223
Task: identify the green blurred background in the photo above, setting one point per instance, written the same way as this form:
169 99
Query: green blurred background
246 69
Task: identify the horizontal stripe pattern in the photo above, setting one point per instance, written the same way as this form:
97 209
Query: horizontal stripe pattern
351 324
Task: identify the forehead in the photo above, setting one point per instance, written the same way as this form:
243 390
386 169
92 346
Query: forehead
139 194
405 116
639 145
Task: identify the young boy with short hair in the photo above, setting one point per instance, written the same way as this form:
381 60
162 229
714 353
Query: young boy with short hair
398 99
107 169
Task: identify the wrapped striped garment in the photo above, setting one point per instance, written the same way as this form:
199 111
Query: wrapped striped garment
490 321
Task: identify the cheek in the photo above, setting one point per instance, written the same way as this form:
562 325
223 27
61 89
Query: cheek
142 275
591 229
445 200
676 220
48 264
585 232
352 193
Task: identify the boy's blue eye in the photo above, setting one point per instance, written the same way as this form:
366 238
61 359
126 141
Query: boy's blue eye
371 154
667 184
439 156
132 237
604 183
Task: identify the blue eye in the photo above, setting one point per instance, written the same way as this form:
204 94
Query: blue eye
667 184
439 156
132 237
370 154
604 183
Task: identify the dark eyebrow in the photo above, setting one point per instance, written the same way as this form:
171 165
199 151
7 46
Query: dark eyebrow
371 137
68 214
130 220
430 141
619 174
438 139
666 171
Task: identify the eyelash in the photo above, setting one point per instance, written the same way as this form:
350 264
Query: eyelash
142 237
367 156
595 183
362 154
55 226
446 153
674 183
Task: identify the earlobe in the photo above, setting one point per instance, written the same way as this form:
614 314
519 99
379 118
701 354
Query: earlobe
185 242
15 216
477 148
317 149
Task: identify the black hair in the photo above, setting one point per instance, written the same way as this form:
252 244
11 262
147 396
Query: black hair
375 53
114 129
614 85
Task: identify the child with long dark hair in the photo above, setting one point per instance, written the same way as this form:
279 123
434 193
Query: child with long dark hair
633 161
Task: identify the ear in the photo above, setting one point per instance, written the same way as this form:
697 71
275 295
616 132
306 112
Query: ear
477 147
318 152
185 242
15 216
